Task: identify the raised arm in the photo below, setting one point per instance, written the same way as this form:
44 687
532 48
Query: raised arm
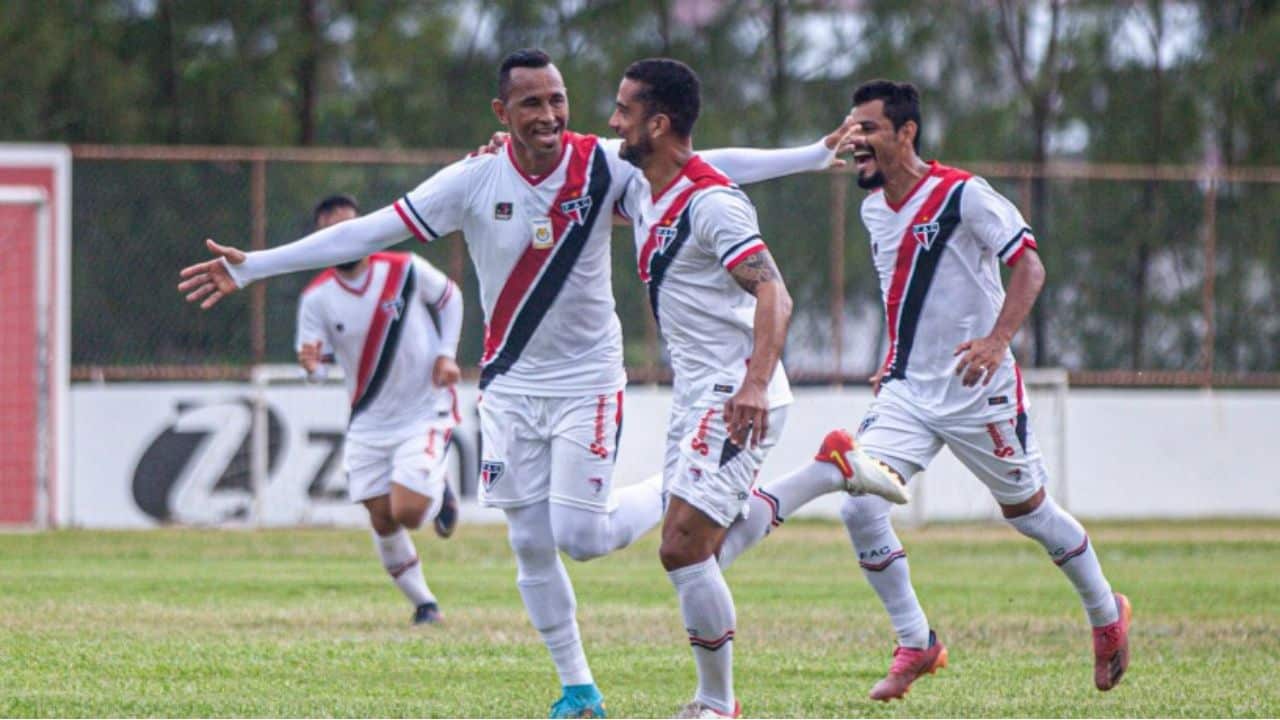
232 269
750 165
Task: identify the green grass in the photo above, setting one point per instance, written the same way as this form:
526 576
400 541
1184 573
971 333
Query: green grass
305 623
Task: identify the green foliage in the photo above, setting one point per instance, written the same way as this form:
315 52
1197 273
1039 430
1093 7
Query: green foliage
304 623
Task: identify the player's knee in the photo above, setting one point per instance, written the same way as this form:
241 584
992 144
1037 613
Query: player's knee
681 549
529 544
859 512
581 542
409 516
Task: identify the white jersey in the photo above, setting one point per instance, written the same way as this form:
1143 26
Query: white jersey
936 254
688 237
541 252
379 331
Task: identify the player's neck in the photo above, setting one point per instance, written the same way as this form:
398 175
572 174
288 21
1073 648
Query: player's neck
354 273
536 164
900 184
665 164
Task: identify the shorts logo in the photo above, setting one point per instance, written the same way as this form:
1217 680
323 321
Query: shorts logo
340 327
998 400
577 209
867 422
597 484
502 211
722 388
490 472
543 238
925 233
1001 450
665 234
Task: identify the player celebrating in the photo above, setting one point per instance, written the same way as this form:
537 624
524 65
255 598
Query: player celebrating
536 219
723 310
400 372
937 234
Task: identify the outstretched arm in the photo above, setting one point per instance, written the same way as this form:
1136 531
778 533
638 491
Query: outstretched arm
232 269
747 412
750 165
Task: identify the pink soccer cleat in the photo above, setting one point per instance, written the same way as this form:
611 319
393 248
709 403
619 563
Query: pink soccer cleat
908 665
862 473
1111 647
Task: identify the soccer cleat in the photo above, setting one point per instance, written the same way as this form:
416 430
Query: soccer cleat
862 473
428 613
579 701
447 519
1111 647
697 709
908 665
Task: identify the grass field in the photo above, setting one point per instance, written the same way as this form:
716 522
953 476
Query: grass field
304 623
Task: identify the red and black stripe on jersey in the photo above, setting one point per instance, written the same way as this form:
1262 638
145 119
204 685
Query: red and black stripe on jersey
540 273
916 264
384 329
670 233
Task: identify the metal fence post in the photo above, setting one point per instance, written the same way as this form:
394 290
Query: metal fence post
258 241
1210 272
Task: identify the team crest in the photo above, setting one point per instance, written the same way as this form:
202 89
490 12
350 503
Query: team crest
490 471
925 233
577 209
393 307
543 237
597 484
666 235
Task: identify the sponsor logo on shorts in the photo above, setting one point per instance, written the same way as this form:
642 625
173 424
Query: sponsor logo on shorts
491 471
1001 449
597 484
998 400
867 422
695 474
699 442
340 327
727 389
502 211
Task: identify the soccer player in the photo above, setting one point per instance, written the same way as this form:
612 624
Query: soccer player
372 317
723 309
536 219
937 234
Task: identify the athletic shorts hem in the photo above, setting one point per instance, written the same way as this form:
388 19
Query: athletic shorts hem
712 513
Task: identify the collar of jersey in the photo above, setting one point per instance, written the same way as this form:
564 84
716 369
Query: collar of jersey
564 150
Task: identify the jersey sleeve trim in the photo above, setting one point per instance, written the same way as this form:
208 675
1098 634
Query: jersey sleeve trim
412 220
742 251
1012 250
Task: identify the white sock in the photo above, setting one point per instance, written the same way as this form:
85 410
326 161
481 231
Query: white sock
884 565
400 558
1070 549
771 504
709 617
547 593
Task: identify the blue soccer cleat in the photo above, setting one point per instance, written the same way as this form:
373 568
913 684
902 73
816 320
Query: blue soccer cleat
579 701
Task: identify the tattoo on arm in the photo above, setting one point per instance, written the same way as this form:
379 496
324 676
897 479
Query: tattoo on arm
756 270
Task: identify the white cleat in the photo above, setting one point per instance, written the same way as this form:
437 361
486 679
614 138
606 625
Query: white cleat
862 473
696 709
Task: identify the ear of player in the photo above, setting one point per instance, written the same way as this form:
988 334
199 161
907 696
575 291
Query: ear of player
862 473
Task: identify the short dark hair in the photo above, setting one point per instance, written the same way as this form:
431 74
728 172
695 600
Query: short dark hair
672 88
901 102
525 58
334 202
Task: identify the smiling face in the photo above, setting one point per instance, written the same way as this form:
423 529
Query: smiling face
535 110
632 122
879 151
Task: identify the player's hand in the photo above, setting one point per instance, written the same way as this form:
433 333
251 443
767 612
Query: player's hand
841 141
309 356
496 142
210 280
875 379
746 415
979 359
445 372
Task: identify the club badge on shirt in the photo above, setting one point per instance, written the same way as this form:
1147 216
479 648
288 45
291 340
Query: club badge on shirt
543 238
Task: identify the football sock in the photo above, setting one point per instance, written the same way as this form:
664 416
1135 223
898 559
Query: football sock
772 503
585 534
1070 549
709 618
400 558
884 565
547 593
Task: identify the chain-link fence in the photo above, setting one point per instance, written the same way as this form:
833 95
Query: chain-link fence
1156 275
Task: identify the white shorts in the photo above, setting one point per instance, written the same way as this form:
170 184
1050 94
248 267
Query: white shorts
557 448
1002 453
416 463
703 468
